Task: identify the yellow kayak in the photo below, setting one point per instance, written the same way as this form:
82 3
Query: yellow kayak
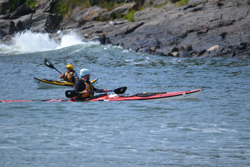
46 83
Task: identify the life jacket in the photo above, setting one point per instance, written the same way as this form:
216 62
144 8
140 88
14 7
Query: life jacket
89 87
68 76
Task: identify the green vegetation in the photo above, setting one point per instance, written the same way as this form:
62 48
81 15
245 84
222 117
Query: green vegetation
179 3
31 3
161 5
65 7
130 15
16 3
182 3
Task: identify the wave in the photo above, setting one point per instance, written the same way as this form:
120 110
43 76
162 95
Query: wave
30 42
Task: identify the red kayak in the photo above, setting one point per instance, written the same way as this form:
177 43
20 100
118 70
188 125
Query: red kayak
190 94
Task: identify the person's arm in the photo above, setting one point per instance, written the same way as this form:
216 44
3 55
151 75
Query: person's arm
100 90
75 75
61 76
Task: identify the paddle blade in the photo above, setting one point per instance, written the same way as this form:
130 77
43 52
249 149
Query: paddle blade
120 90
70 93
48 63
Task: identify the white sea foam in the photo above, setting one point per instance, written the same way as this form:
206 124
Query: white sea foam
30 42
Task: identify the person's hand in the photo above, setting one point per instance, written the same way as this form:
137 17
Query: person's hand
61 76
85 92
105 90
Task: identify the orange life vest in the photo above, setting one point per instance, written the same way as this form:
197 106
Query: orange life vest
89 87
68 76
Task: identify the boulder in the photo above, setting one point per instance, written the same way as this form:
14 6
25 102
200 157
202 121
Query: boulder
86 14
46 5
123 10
119 11
216 47
21 11
44 22
5 16
2 34
7 27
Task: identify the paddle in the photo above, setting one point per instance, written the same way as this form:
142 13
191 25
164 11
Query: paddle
50 65
72 93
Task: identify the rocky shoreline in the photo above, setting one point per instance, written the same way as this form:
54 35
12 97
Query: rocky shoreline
202 28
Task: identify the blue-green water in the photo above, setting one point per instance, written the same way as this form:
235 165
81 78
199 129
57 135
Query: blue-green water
213 130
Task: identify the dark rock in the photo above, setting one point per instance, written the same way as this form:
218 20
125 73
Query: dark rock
170 54
5 16
132 28
8 27
46 5
175 49
189 48
202 52
4 6
12 28
188 7
20 26
51 22
123 10
24 22
2 34
233 54
220 4
20 11
242 46
7 40
223 35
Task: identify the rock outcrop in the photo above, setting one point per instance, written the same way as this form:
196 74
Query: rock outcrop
210 28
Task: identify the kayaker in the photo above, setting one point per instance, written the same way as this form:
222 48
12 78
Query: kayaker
85 86
70 75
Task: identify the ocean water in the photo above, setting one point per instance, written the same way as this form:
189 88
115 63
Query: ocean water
212 130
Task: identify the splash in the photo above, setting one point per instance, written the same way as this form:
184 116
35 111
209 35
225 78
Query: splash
70 39
30 42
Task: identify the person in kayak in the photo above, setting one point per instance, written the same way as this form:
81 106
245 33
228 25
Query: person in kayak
70 75
84 85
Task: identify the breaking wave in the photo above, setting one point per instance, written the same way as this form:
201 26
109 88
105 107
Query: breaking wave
30 42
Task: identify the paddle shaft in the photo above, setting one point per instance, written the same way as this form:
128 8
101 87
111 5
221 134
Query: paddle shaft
72 93
57 70
50 65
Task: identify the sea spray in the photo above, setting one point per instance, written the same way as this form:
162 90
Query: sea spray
31 42
70 39
28 42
